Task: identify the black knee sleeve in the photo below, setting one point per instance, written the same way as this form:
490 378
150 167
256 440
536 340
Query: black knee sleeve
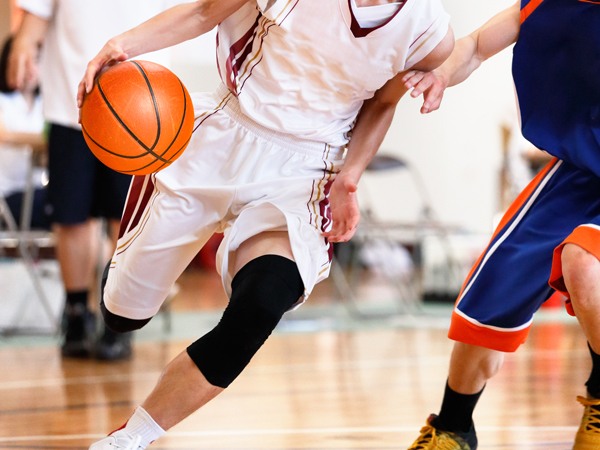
262 291
118 324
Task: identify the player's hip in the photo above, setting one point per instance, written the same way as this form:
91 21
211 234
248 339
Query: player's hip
229 149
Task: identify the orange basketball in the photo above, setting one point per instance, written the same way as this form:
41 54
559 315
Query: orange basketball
138 118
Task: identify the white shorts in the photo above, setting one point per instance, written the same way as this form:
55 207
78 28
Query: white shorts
235 177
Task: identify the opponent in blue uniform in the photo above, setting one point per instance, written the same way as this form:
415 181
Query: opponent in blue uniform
550 236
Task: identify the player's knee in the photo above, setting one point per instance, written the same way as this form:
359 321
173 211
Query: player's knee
262 291
120 324
581 272
490 365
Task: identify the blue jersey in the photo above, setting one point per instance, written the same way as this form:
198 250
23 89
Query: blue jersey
556 69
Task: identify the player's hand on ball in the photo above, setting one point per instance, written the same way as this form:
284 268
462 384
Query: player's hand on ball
431 84
110 54
344 210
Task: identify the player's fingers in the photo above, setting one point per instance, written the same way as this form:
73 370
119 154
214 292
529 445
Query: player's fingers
80 93
345 237
335 232
421 87
433 98
408 75
351 187
413 80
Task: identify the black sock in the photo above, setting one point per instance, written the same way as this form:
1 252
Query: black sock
593 382
76 302
457 409
77 298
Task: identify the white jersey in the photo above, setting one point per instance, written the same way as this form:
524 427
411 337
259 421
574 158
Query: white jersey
305 67
77 30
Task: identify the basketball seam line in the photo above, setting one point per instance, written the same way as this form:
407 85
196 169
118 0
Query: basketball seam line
144 146
170 160
141 69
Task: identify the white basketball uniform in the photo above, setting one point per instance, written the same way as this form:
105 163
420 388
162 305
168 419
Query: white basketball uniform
267 144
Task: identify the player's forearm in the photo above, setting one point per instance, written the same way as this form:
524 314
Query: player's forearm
31 32
462 62
175 25
371 127
495 35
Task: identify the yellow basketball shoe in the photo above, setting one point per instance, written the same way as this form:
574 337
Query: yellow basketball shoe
432 438
588 435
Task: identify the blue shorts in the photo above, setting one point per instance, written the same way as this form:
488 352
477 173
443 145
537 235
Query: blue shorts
80 186
521 265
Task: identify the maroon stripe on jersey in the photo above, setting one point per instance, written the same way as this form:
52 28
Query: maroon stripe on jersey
358 31
132 199
243 44
145 199
289 12
421 35
211 114
262 40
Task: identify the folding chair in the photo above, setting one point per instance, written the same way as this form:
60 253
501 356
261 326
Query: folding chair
26 242
391 234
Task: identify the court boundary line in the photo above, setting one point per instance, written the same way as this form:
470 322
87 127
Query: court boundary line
284 431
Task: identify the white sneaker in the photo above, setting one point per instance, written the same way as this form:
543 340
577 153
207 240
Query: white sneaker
119 440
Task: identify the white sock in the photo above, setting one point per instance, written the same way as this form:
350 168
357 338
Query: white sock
142 424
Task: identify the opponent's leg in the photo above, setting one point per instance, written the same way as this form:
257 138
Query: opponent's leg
581 273
266 284
470 368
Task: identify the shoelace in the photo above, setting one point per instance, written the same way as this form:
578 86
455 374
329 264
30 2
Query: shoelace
133 445
429 436
593 424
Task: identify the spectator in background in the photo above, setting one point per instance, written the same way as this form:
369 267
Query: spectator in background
21 132
80 189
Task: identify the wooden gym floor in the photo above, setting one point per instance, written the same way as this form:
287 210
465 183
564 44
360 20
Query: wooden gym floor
319 383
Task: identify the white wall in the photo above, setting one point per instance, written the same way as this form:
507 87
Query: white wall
457 150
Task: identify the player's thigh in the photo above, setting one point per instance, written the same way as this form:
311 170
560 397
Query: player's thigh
266 243
160 234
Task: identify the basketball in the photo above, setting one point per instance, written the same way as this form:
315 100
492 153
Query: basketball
138 117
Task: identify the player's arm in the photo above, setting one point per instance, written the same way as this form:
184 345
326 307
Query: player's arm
173 26
23 57
494 36
372 123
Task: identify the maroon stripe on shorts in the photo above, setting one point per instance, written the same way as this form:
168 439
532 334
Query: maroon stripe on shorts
325 212
132 200
324 209
145 199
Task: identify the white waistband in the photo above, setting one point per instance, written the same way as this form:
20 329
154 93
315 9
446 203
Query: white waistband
320 150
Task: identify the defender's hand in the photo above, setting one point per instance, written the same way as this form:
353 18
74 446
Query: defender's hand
431 84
